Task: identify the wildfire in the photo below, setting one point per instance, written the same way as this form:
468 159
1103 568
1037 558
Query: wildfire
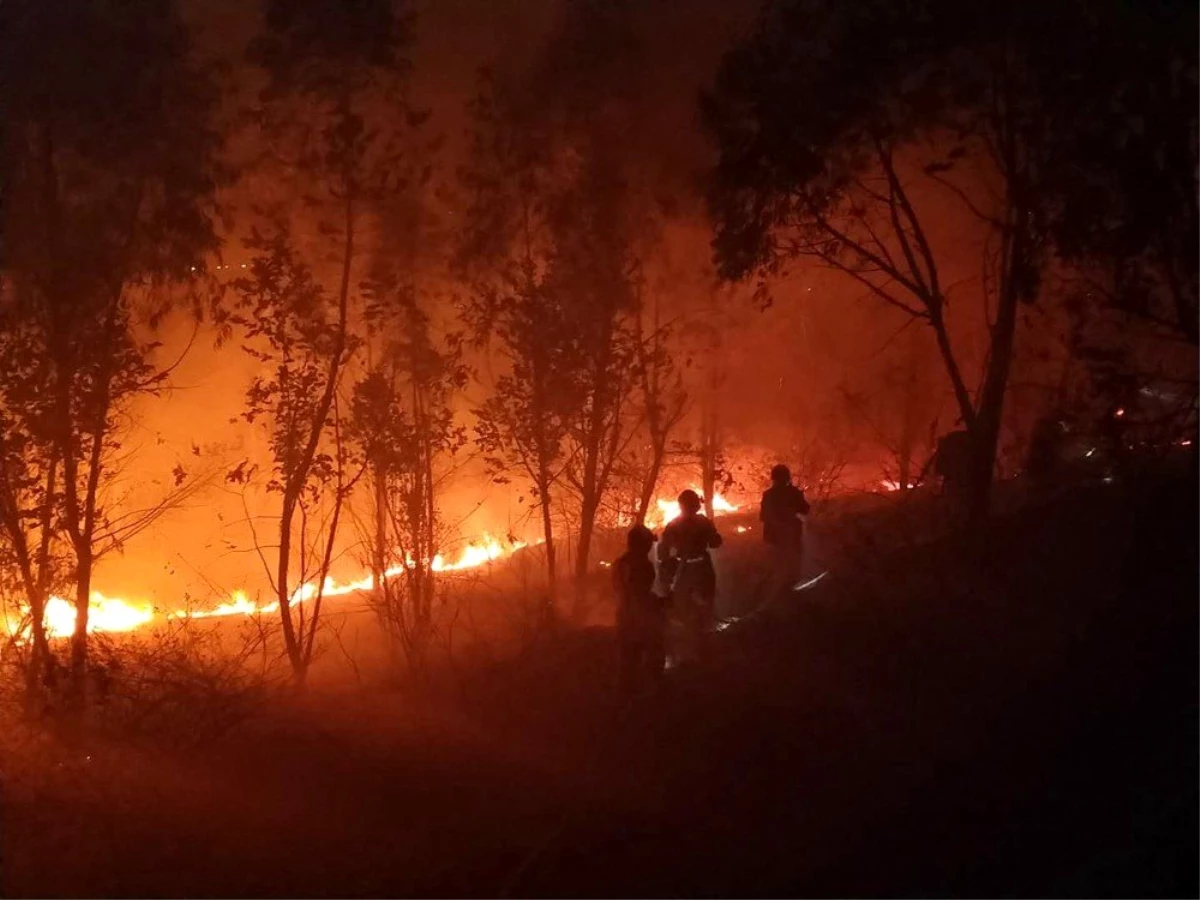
104 614
668 510
115 614
474 555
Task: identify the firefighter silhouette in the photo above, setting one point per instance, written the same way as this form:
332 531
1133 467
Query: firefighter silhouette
641 613
783 512
687 568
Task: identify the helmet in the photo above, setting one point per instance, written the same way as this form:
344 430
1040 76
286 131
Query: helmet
781 474
640 538
689 502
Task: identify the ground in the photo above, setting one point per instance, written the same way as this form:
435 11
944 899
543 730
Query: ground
1009 713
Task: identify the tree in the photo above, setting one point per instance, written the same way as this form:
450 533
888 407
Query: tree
827 154
403 427
110 172
1122 158
504 255
333 118
592 274
29 474
303 341
894 400
664 398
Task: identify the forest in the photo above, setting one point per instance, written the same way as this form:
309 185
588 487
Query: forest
342 343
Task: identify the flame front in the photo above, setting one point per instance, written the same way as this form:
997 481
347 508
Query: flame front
668 510
116 614
104 614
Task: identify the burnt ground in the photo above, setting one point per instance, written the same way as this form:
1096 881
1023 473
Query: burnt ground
1010 713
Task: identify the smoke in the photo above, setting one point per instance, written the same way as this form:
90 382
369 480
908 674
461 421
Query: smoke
776 380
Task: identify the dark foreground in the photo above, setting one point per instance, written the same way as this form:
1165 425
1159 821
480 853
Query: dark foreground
1014 714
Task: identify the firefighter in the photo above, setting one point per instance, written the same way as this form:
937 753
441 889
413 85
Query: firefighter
688 568
641 614
783 513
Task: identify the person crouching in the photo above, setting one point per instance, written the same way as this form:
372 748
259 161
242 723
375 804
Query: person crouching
641 614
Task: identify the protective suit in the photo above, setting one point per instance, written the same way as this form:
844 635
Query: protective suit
688 568
641 614
783 513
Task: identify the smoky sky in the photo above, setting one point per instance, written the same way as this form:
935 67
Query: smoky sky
784 372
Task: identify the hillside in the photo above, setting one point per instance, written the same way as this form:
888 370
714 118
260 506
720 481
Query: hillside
1012 713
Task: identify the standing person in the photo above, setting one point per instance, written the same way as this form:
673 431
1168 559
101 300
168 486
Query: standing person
782 514
641 614
683 553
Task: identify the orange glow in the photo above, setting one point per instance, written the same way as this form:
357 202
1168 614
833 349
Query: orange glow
476 554
668 510
104 614
116 615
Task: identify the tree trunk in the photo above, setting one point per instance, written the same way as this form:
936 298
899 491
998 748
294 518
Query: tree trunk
427 520
548 538
594 443
710 452
710 438
658 421
589 499
650 481
40 594
79 637
35 576
587 526
39 653
985 436
908 424
379 558
282 590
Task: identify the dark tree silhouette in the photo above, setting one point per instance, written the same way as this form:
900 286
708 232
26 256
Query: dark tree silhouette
403 427
592 270
548 247
504 254
109 178
664 400
1123 162
302 340
334 118
824 146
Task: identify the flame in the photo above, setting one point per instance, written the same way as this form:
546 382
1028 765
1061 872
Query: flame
238 605
474 555
115 614
668 510
104 614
